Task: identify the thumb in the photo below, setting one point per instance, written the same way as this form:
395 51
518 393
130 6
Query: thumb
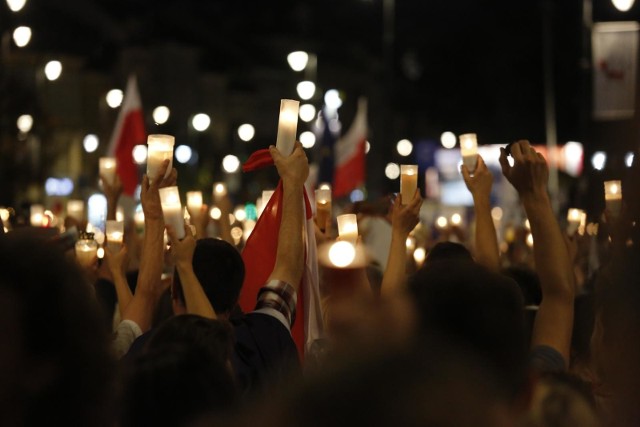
465 174
275 154
172 234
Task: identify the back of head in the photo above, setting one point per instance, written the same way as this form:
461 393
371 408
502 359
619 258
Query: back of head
478 309
448 251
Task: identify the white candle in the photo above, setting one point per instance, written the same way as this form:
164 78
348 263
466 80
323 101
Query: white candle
219 191
324 186
159 149
574 218
86 252
323 207
348 228
36 215
613 196
194 203
75 209
115 235
408 182
469 150
172 210
108 169
287 126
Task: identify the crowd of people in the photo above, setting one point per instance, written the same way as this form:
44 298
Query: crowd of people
154 335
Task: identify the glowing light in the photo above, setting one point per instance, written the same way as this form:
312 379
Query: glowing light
356 196
90 143
161 114
236 233
392 171
307 112
456 219
298 60
332 99
442 222
240 213
306 89
419 255
342 254
307 139
183 153
530 240
201 122
139 154
215 213
53 70
58 186
230 163
623 5
246 132
367 147
448 140
496 213
100 253
16 5
22 36
404 147
599 160
628 159
114 98
25 123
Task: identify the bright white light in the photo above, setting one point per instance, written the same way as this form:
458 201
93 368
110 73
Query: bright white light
356 196
246 132
201 122
306 89
324 186
404 147
530 240
53 70
307 112
307 139
114 98
342 253
139 154
623 5
456 219
628 159
90 143
25 123
183 153
442 222
392 171
22 36
599 160
367 147
496 213
240 213
230 163
419 255
16 5
58 186
100 253
332 99
448 139
573 156
5 214
215 213
236 233
96 209
161 114
298 60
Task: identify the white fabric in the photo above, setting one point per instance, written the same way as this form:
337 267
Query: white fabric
313 322
126 333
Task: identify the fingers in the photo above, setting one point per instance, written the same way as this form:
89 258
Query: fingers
187 230
504 162
465 174
172 233
275 154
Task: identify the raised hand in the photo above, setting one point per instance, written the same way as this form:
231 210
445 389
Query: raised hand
480 183
182 250
404 218
149 196
529 173
116 261
294 168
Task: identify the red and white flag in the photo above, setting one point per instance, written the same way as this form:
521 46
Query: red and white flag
350 154
128 133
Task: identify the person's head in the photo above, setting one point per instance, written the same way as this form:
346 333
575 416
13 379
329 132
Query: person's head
477 308
55 364
447 251
220 271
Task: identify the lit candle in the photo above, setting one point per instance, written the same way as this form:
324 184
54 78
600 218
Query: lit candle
348 228
159 149
108 169
138 218
408 182
411 244
574 218
583 223
287 126
219 191
86 250
324 186
323 207
456 219
469 150
120 213
36 215
613 196
172 209
115 235
194 203
442 222
419 255
75 209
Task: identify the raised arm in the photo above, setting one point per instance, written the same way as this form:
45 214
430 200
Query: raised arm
404 218
112 193
116 262
487 252
293 171
554 320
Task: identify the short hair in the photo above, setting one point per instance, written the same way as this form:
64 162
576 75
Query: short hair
477 308
220 271
443 251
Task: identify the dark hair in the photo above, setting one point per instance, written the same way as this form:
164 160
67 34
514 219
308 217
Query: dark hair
528 281
220 271
444 251
477 308
63 371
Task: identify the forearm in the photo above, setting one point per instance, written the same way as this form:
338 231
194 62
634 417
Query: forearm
289 263
225 226
123 292
196 300
112 208
486 241
395 275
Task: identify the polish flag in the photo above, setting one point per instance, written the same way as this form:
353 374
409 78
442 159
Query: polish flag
128 133
350 154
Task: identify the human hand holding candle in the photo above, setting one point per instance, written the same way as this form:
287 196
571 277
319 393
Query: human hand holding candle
172 210
194 204
86 250
408 182
159 149
219 191
115 235
323 208
348 228
574 219
108 169
469 151
613 197
287 126
36 215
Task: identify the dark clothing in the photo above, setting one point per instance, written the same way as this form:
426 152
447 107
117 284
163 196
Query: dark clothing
546 359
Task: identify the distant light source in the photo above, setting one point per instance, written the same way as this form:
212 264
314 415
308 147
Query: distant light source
307 112
496 213
392 171
58 186
90 143
22 36
201 122
367 147
342 253
215 213
599 160
356 196
419 255
161 114
404 147
230 163
25 123
114 98
307 139
623 5
16 5
53 70
628 159
183 153
448 139
298 60
139 154
246 132
306 89
332 99
240 213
